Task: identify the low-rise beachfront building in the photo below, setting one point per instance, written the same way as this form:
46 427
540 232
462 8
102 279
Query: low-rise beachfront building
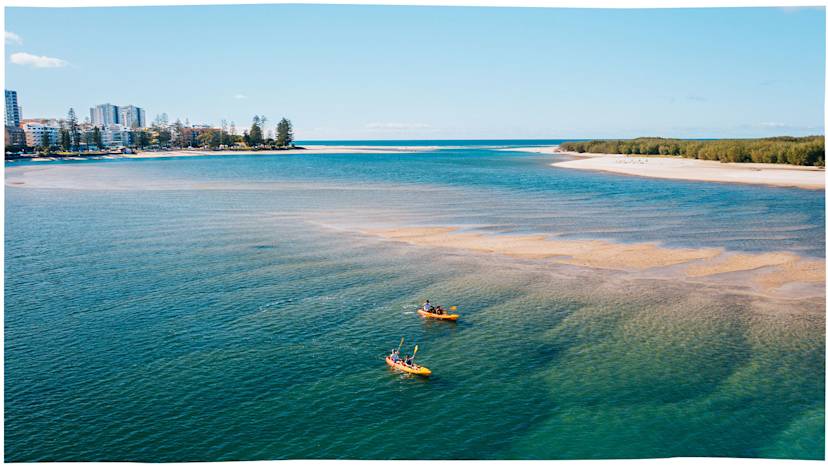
115 136
55 122
35 131
15 136
191 134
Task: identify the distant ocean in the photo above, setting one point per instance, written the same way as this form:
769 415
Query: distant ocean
237 307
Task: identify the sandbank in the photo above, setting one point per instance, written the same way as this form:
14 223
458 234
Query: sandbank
678 168
767 271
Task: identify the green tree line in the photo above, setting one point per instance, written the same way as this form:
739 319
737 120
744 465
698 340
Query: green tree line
808 150
255 137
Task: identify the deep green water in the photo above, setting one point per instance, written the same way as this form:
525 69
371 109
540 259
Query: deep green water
227 308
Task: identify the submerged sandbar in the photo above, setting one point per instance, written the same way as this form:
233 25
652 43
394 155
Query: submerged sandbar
766 272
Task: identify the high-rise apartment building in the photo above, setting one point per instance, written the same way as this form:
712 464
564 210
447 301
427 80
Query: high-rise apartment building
128 116
104 115
12 109
131 116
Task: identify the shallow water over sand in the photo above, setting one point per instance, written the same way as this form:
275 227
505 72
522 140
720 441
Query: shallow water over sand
238 308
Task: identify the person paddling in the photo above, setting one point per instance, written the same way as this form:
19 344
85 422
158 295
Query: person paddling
427 306
406 363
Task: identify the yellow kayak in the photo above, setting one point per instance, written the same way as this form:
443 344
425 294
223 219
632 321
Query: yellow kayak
417 370
431 315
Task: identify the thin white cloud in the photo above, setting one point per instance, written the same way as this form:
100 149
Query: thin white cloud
240 96
773 124
37 61
397 126
12 38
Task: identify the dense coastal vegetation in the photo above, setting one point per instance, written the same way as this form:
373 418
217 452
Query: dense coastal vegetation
809 150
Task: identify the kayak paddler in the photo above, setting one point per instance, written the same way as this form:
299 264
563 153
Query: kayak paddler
406 363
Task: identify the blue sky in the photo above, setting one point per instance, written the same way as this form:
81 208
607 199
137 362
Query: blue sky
383 72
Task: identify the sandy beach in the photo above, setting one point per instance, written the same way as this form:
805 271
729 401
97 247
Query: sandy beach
677 168
308 150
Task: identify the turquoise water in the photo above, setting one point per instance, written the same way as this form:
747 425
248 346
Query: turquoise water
230 308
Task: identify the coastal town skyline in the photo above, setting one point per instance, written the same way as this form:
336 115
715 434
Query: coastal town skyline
335 68
108 126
